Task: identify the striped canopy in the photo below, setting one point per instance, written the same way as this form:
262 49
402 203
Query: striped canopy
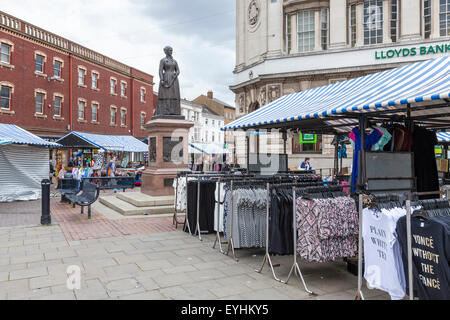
105 142
443 136
10 133
393 89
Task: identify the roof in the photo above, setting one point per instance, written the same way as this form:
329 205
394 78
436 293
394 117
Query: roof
226 105
77 139
208 110
10 133
386 92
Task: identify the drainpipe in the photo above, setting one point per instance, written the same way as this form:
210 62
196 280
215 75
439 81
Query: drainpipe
132 106
70 92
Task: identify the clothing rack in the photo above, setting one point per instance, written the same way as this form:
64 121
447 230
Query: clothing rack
295 266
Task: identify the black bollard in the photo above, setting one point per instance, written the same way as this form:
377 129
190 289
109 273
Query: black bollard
45 217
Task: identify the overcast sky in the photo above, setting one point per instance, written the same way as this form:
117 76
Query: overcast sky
201 32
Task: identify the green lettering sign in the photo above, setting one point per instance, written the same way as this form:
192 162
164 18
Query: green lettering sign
405 52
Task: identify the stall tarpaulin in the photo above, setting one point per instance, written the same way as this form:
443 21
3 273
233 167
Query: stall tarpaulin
22 169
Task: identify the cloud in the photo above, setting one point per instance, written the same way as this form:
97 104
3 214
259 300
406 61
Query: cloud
202 33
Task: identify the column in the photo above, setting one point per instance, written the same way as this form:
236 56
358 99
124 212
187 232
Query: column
435 33
317 31
338 24
411 15
240 32
359 25
386 22
294 35
275 28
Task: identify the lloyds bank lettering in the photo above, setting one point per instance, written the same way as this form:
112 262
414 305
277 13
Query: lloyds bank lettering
406 52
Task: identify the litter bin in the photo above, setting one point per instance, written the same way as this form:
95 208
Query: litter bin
45 217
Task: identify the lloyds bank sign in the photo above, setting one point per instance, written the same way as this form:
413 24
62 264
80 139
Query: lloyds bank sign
412 51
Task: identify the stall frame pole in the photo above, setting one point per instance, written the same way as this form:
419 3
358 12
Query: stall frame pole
197 226
409 244
359 294
296 267
267 254
186 220
230 241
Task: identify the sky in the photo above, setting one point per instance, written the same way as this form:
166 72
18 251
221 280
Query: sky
134 32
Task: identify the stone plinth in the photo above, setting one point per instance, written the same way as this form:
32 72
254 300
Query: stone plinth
164 159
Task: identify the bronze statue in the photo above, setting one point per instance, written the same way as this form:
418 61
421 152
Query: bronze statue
169 89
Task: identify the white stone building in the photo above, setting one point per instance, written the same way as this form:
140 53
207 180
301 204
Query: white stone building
286 46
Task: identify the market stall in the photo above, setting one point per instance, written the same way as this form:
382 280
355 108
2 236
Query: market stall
391 118
24 163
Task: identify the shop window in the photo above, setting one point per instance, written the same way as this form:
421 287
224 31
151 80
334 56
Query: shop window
5 95
444 18
373 22
426 23
40 63
40 102
306 33
5 53
307 144
58 104
57 67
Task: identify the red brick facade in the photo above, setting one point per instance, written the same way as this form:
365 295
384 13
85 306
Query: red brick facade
25 42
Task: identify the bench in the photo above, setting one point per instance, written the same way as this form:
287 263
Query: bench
68 186
88 196
108 183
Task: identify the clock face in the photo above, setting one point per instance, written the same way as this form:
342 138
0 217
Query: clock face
254 12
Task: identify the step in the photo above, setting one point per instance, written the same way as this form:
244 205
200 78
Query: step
127 209
139 199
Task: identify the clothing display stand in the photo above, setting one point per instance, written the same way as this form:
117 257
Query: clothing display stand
295 267
230 241
197 226
217 218
186 219
267 255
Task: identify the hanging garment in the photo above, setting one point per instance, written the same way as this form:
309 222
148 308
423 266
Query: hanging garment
281 239
383 266
431 256
179 187
206 212
219 207
425 166
327 228
384 139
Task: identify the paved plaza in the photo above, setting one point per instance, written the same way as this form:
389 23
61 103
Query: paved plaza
144 258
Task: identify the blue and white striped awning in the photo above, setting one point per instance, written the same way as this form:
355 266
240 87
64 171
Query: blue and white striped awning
388 90
109 142
10 133
443 136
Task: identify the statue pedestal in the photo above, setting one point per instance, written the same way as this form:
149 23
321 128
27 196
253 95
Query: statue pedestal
168 154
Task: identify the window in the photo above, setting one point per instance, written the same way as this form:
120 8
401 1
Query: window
57 66
324 28
123 87
81 76
58 103
213 122
288 33
212 136
40 63
298 147
5 96
394 20
94 112
113 116
40 102
226 115
206 121
143 119
352 24
94 80
142 94
444 18
123 117
5 53
81 108
427 18
373 22
305 21
113 86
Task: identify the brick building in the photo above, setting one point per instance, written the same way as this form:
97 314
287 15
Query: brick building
51 86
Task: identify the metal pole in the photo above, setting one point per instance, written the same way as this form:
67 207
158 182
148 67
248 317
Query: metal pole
362 152
248 149
175 220
45 201
197 228
359 294
408 239
230 241
336 155
186 220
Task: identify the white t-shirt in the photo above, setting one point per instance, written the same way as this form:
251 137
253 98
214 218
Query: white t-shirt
383 265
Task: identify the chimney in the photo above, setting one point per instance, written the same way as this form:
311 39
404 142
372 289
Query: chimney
210 94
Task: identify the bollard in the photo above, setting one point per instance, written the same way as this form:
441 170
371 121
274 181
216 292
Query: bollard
45 217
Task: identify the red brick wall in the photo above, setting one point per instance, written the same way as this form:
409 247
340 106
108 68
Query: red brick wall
25 82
